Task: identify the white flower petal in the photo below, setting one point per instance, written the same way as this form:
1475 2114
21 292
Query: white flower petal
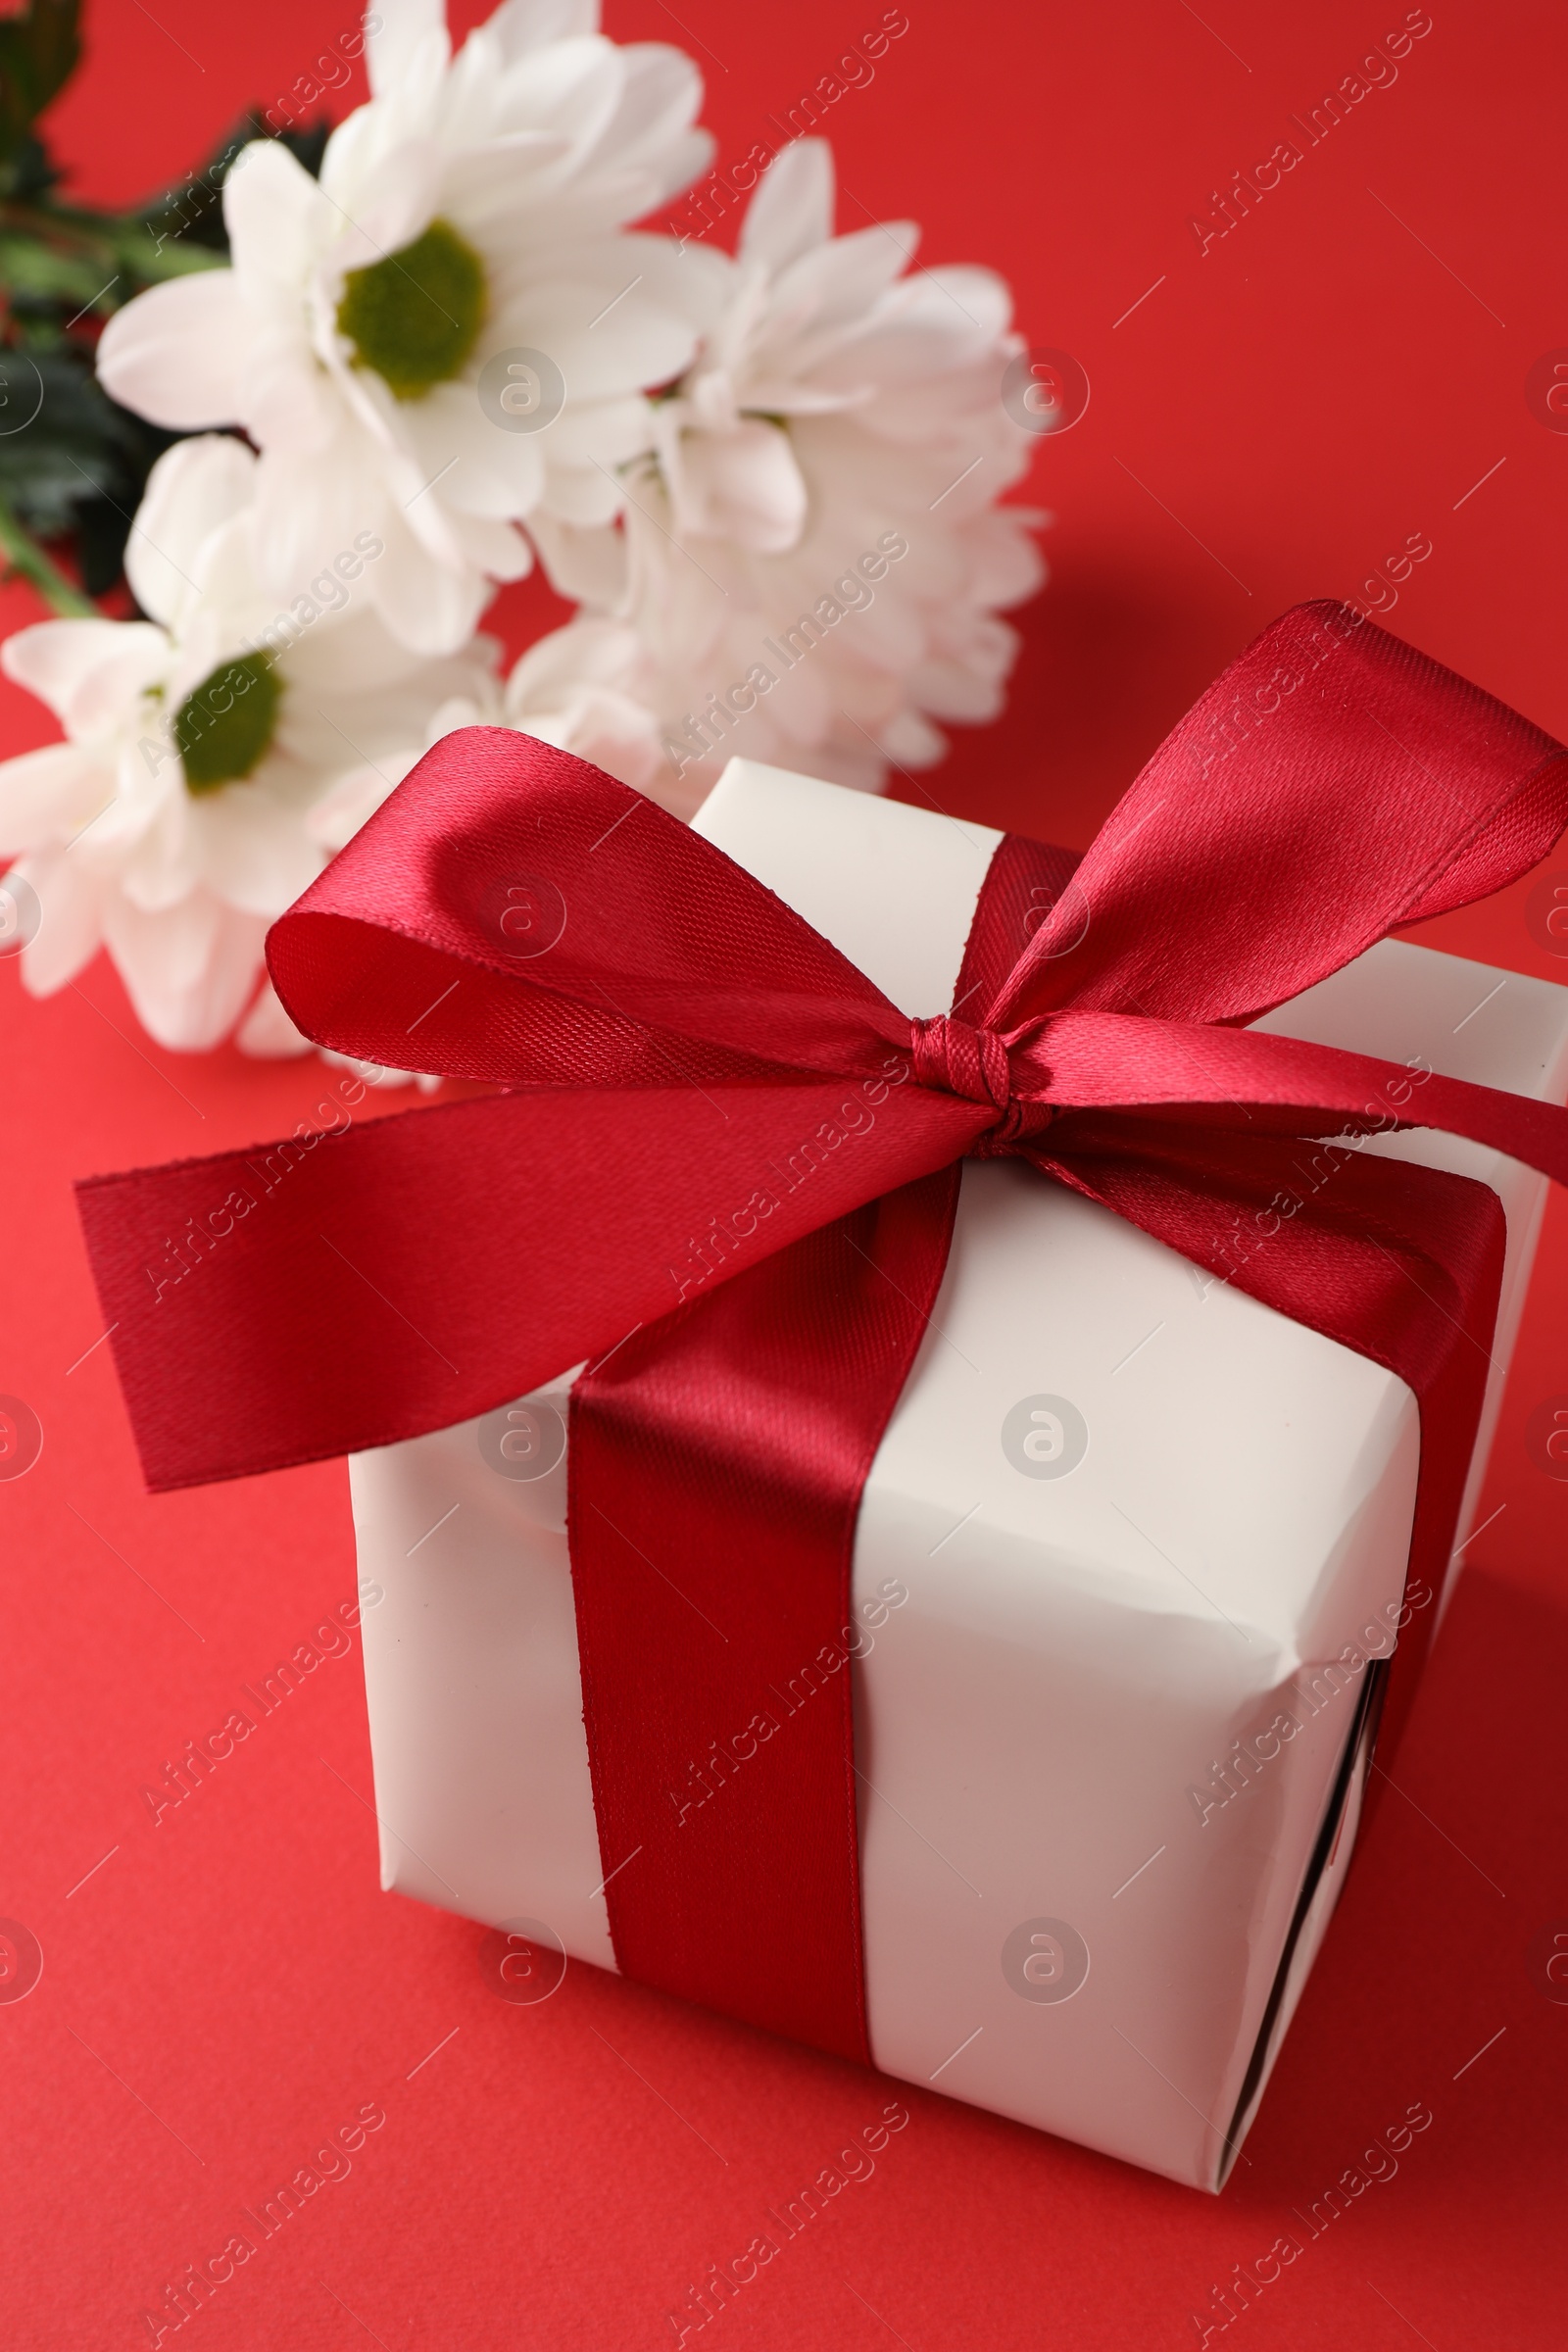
406 32
575 81
840 291
161 859
597 651
267 1032
913 742
583 495
792 210
350 654
253 854
604 432
743 485
478 467
309 507
373 1074
631 114
589 564
325 733
181 352
290 402
428 606
1006 563
604 337
49 795
523 26
108 692
272 212
69 932
195 488
188 969
608 729
660 97
56 658
350 801
456 714
980 294
496 549
395 204
929 337
493 193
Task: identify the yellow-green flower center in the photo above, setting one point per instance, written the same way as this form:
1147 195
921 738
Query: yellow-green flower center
416 315
222 729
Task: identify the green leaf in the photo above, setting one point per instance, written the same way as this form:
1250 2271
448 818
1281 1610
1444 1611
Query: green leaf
148 257
72 460
39 50
33 171
74 464
34 272
18 554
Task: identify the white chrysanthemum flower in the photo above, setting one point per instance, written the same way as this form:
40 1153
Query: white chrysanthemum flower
172 825
468 212
810 562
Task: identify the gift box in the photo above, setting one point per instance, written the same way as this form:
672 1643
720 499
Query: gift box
1132 1553
1129 1562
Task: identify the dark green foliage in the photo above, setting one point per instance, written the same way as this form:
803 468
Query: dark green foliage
79 469
39 51
72 462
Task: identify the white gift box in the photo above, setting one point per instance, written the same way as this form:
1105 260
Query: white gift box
1113 1741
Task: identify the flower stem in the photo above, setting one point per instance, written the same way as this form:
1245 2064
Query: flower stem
75 236
25 556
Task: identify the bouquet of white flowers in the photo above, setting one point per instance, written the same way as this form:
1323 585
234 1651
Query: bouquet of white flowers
422 355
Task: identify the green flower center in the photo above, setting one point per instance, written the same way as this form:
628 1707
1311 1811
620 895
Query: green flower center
222 729
415 316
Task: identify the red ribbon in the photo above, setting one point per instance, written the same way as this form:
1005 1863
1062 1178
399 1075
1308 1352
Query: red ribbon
726 1168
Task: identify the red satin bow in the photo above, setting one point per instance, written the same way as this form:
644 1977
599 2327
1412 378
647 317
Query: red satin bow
725 1158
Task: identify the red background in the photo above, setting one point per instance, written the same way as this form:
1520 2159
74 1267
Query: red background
1271 423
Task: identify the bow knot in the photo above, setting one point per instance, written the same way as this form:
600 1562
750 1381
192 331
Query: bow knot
960 1058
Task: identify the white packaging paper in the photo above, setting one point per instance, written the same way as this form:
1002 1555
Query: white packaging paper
1112 1742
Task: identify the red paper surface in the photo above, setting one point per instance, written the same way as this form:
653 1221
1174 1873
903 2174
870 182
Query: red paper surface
226 1988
